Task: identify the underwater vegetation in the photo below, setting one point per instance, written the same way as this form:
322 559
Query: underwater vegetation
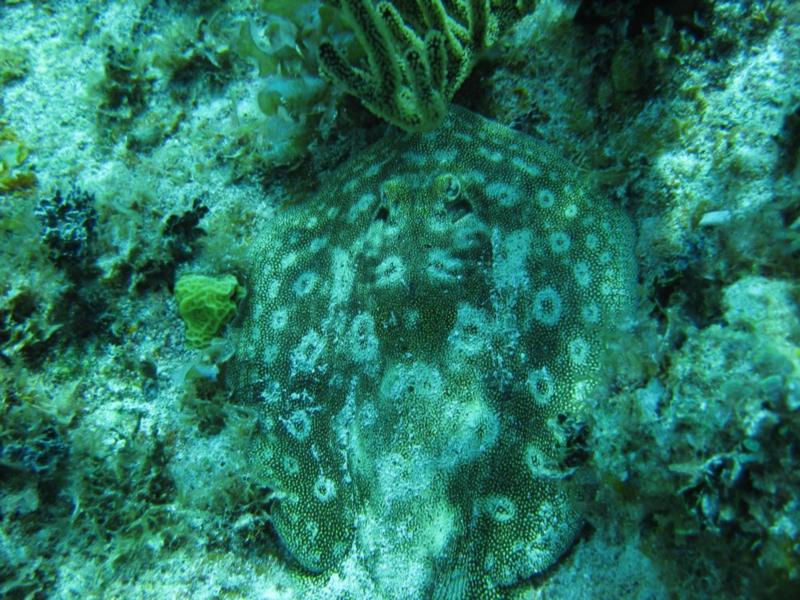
417 53
14 173
206 304
399 299
723 471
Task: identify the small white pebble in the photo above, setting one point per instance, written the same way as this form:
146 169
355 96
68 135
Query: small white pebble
715 217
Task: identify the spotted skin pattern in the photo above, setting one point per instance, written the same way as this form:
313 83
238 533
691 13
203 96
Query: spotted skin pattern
414 337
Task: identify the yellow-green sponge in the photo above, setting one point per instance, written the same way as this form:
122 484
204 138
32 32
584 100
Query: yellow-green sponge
205 304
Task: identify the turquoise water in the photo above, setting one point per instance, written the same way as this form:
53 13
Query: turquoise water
258 341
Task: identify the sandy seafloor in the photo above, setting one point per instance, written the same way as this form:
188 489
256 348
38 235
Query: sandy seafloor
133 150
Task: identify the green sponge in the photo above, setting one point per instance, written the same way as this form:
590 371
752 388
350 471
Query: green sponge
205 304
